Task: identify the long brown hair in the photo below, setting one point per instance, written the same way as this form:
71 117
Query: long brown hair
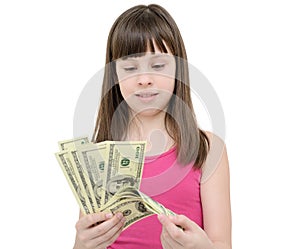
132 33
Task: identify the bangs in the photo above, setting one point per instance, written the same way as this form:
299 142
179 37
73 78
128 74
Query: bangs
138 33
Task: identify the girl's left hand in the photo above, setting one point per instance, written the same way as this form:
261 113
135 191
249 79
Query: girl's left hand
191 236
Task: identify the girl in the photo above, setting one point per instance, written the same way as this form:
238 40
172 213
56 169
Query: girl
146 96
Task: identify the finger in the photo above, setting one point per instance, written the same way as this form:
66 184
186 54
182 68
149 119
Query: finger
176 233
91 219
96 235
108 228
164 239
183 221
168 241
165 244
112 235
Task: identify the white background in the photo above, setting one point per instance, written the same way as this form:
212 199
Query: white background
249 51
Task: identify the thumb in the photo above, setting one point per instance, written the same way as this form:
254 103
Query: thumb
163 219
183 222
94 218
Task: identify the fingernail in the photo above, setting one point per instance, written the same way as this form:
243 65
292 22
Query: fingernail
119 215
171 217
159 217
108 215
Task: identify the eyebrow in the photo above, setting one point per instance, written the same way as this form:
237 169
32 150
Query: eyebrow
133 57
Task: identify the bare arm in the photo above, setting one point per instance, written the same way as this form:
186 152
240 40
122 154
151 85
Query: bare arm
215 195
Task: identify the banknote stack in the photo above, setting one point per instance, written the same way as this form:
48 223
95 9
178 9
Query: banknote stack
106 176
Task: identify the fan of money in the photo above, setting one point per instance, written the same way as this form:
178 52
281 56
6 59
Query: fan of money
106 176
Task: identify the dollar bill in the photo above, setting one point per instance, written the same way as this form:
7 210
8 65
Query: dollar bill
93 158
106 176
84 179
73 143
72 146
124 166
73 181
134 205
133 193
132 209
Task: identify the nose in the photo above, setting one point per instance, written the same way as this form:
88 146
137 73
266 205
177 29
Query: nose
144 79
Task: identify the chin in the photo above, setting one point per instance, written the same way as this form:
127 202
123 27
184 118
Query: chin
149 112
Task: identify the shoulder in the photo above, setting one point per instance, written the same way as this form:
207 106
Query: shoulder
216 156
213 137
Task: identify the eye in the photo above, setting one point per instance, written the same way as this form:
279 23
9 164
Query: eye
158 66
130 69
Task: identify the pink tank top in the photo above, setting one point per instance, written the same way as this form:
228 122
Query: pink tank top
174 186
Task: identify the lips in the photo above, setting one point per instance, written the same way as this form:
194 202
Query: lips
146 96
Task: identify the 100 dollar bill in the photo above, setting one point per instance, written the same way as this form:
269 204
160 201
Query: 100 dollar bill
68 153
73 143
134 205
94 160
106 176
124 166
74 182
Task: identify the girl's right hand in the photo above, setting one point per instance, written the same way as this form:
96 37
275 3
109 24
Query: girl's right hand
98 230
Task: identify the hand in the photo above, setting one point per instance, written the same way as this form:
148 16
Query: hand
98 230
190 235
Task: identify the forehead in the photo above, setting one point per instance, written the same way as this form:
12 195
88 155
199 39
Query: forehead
152 50
138 44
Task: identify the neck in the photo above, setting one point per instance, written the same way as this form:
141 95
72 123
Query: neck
151 129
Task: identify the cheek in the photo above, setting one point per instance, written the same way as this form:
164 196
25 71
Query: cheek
171 85
167 85
125 88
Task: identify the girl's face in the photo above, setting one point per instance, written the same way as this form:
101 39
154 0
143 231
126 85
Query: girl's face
147 82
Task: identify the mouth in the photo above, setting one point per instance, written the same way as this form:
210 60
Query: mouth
146 96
